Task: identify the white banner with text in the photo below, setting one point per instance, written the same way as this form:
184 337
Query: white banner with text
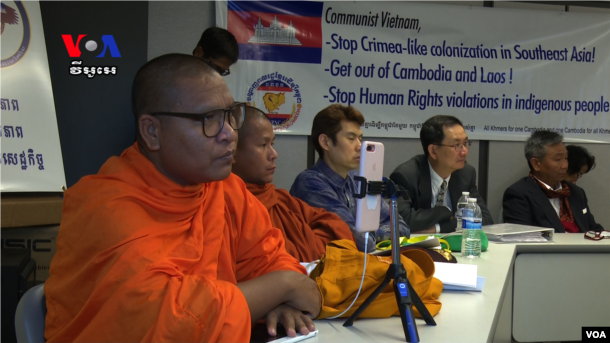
31 159
503 72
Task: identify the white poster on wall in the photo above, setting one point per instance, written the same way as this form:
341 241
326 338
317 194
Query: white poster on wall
503 72
30 158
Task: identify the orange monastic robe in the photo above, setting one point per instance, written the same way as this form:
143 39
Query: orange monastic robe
306 229
140 258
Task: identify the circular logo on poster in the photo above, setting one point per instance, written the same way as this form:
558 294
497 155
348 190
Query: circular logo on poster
15 32
278 96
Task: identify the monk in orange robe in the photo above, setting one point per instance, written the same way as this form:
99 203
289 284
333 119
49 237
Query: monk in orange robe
306 229
164 244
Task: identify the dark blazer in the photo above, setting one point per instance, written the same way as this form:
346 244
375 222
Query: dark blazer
414 177
526 203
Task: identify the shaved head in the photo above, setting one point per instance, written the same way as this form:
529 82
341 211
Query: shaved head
165 90
253 116
156 87
255 156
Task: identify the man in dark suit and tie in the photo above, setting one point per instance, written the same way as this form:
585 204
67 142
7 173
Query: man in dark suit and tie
543 198
435 180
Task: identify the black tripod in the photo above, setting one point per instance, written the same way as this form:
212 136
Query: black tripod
406 297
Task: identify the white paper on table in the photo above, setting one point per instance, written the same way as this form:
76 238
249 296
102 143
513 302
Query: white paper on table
430 242
516 233
456 274
531 237
478 288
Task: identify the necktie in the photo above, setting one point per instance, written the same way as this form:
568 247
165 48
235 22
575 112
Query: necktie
440 198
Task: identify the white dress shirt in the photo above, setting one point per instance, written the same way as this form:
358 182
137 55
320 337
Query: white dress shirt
436 181
556 202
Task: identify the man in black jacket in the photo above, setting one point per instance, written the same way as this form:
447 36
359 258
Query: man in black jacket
435 180
543 198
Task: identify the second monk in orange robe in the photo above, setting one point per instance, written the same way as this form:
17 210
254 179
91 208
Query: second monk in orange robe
306 229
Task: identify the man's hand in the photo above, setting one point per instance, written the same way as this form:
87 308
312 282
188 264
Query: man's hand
306 295
293 320
267 292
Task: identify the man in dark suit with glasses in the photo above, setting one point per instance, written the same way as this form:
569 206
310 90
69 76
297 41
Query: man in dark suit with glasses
436 179
543 198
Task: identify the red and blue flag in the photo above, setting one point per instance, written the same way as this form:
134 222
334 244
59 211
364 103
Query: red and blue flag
277 31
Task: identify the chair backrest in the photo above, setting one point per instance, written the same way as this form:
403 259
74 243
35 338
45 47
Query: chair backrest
30 315
501 216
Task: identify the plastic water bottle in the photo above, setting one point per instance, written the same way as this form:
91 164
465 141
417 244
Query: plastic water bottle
460 206
472 222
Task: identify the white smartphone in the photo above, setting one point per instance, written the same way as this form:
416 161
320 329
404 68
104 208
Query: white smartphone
298 338
259 335
368 208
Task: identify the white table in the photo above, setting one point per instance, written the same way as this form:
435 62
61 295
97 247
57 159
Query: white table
488 316
559 288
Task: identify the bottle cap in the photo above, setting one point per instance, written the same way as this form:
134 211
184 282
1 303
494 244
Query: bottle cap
472 199
465 193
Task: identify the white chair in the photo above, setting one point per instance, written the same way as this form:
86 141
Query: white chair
30 315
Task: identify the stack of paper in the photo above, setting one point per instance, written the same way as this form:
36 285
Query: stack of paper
478 288
459 277
530 237
515 233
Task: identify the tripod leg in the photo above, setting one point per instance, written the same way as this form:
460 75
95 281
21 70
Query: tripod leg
367 302
419 305
406 310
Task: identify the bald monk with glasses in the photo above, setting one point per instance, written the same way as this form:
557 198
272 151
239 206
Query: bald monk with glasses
164 243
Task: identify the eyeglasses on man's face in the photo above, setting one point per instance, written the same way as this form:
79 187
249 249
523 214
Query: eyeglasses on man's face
458 147
219 69
213 121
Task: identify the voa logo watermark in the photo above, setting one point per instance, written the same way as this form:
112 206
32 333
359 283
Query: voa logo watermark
595 333
109 48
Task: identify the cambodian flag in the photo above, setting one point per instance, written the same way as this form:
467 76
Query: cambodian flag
277 31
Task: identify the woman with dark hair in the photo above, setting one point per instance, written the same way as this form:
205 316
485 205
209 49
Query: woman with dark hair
580 162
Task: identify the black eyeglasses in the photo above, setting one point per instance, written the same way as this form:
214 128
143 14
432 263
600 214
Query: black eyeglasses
221 71
458 147
213 121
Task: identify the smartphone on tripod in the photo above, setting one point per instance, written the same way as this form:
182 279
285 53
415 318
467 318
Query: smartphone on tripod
368 208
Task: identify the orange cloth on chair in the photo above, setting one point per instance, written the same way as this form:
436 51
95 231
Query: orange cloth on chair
141 258
306 229
342 273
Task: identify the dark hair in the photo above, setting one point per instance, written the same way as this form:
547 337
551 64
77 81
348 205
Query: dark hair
217 42
328 122
535 146
578 157
432 132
